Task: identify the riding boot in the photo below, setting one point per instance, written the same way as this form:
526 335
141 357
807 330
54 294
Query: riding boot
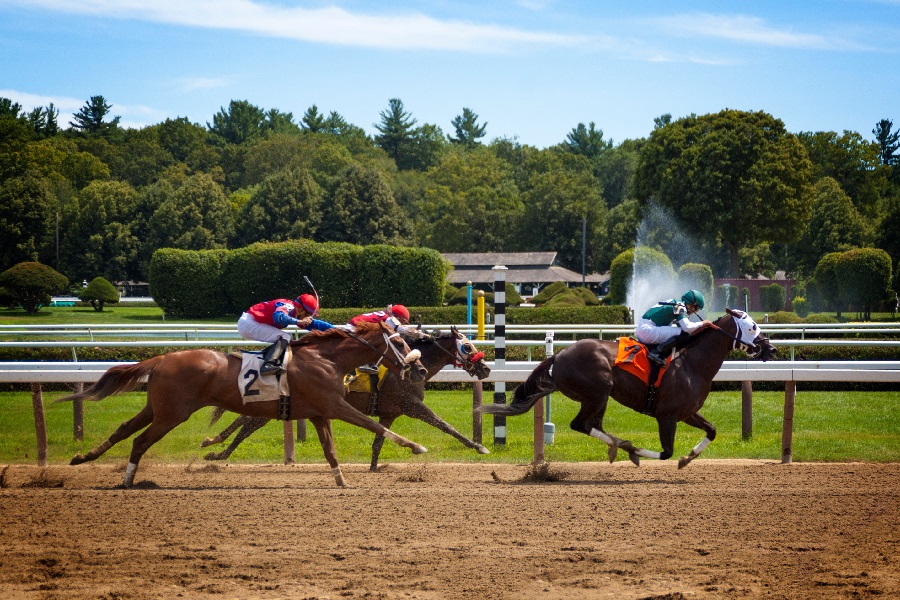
658 354
273 357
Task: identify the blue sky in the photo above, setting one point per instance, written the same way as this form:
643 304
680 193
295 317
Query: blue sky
532 69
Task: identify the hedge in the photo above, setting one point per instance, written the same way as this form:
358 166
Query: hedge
217 283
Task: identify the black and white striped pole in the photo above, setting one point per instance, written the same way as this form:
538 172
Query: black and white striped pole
499 350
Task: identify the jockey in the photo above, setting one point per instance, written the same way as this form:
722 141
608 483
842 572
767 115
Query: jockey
658 325
394 315
265 322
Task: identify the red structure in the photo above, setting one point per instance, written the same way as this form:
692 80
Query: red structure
753 285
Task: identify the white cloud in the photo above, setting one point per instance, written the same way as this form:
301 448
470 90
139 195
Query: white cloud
30 101
330 25
189 84
133 115
740 28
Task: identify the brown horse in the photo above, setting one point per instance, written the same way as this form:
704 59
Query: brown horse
396 396
180 383
584 372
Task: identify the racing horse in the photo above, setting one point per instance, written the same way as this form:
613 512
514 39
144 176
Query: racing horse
585 373
396 396
180 383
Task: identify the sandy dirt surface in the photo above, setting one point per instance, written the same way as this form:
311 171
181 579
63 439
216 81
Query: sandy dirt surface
734 529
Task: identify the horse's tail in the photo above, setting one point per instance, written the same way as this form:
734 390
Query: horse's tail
538 385
216 415
118 379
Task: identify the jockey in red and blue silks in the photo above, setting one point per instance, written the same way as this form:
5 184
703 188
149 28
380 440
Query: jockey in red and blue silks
394 315
265 322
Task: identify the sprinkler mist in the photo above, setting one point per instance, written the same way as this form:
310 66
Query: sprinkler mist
650 281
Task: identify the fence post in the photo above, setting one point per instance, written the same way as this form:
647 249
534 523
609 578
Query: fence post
40 425
288 442
78 413
478 387
787 428
499 349
549 427
746 410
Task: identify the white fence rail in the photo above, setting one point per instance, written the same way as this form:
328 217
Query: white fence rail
218 335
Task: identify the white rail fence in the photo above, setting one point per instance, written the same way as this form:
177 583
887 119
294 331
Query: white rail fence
789 371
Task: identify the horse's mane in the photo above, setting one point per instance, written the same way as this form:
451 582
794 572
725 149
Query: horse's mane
315 337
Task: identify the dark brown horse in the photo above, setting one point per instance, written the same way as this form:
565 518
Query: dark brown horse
180 383
584 372
395 398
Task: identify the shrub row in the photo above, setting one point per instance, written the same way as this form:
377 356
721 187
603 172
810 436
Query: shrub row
217 283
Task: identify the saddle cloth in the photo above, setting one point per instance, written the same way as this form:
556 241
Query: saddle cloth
359 381
261 388
632 358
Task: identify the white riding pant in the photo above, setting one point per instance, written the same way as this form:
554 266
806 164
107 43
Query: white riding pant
648 332
251 329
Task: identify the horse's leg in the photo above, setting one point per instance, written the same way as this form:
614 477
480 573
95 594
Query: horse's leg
423 412
250 425
225 433
125 431
345 412
589 421
378 443
326 439
697 420
666 437
155 432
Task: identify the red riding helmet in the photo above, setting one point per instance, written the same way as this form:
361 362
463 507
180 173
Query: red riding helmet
399 311
309 303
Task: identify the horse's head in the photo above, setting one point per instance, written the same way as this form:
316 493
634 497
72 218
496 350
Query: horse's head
468 356
749 338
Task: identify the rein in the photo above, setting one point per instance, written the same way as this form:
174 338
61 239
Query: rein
398 361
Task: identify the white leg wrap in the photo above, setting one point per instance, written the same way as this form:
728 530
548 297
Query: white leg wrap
701 446
129 473
647 453
603 437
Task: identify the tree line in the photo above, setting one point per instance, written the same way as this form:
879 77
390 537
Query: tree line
95 199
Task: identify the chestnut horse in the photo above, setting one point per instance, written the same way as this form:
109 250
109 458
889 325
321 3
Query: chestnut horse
584 372
396 396
180 383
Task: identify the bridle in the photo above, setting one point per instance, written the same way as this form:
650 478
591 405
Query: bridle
403 363
737 343
459 357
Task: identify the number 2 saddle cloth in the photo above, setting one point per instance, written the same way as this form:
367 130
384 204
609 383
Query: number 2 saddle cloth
261 388
632 357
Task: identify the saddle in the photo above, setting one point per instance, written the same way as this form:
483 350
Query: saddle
632 358
366 381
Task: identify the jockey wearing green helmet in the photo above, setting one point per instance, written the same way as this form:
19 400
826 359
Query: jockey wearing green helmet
667 322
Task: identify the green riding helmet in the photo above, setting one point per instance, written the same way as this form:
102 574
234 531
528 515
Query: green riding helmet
693 297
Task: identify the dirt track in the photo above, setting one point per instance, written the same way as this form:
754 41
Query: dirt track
754 529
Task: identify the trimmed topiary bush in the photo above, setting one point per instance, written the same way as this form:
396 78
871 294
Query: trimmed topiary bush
31 284
557 287
99 292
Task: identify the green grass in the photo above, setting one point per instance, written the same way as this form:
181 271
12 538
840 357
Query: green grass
828 426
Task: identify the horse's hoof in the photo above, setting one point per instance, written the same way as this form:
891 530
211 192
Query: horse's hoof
635 458
207 442
77 459
212 456
418 449
612 452
481 449
683 462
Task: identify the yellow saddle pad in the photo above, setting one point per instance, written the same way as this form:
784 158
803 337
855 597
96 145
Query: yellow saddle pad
361 382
